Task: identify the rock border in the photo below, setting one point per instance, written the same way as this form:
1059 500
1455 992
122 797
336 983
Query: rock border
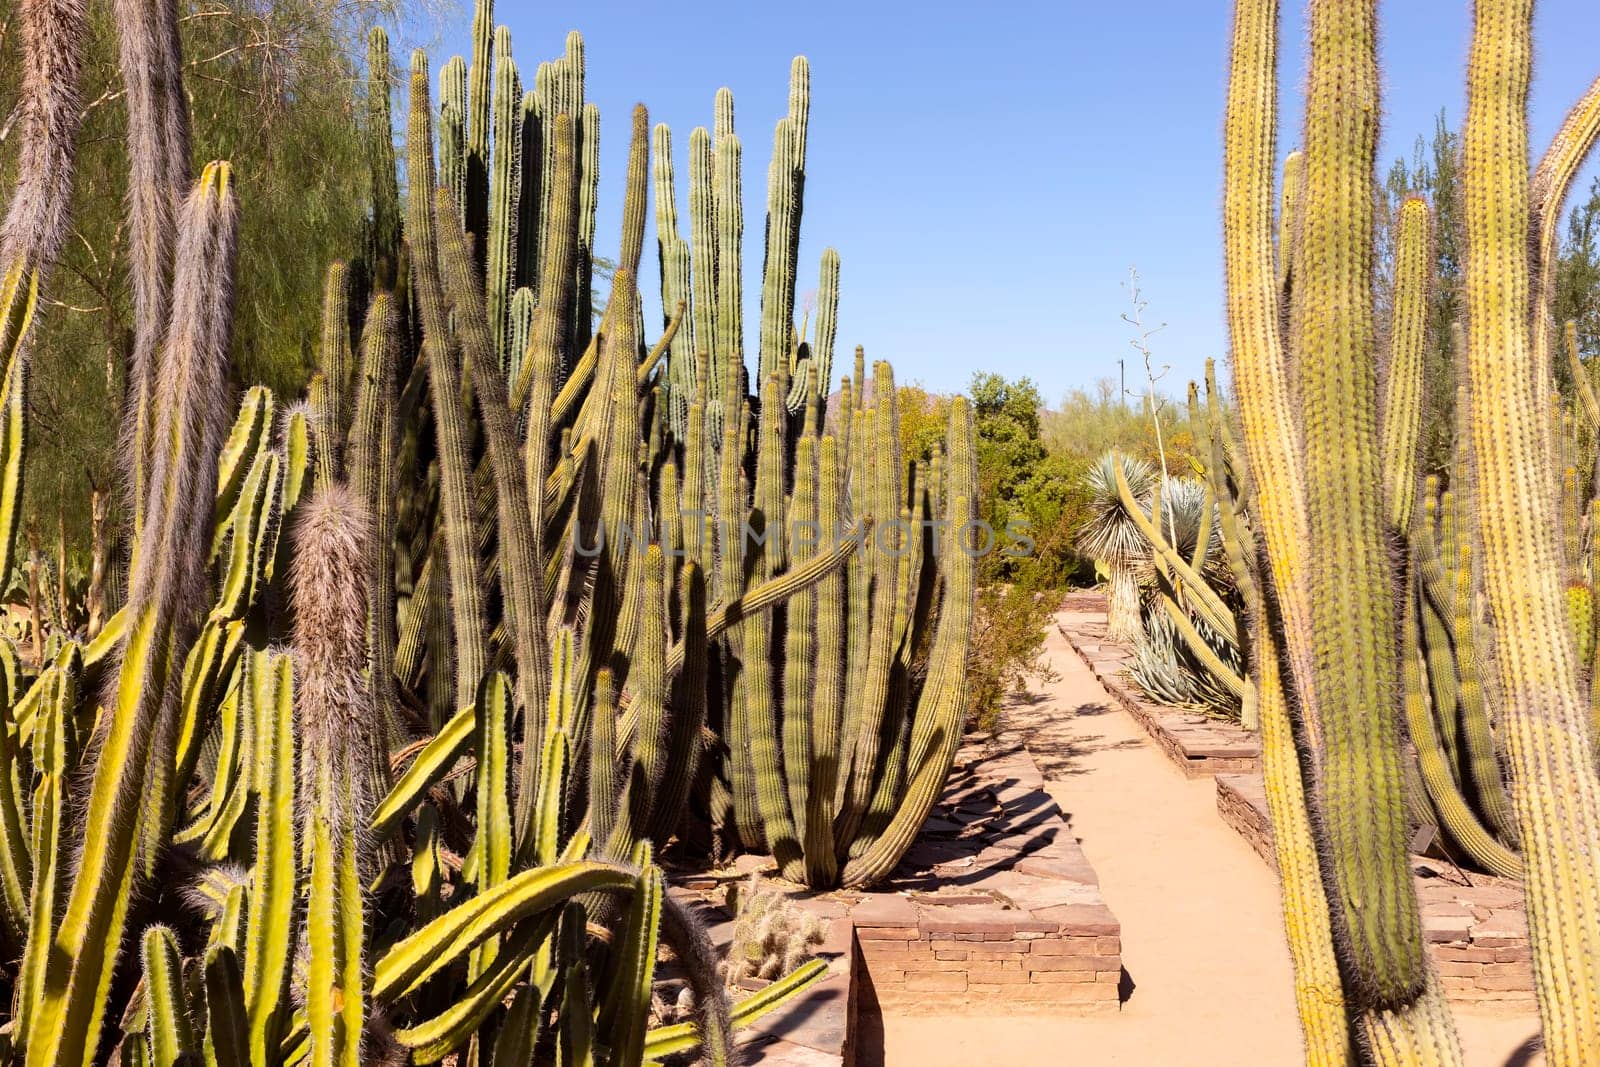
994 911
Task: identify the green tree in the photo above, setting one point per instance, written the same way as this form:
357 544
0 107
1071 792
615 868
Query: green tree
1006 419
278 89
1434 173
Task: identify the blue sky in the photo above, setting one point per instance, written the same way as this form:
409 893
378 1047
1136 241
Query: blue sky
988 172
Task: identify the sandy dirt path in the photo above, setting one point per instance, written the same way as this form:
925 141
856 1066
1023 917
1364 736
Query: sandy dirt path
1202 941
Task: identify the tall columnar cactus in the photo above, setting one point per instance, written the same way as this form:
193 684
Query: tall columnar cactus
418 533
1555 789
166 594
1324 502
335 721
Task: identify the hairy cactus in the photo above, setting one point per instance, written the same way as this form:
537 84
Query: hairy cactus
334 722
771 936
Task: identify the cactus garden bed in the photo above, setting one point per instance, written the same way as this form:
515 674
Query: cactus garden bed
994 910
1475 924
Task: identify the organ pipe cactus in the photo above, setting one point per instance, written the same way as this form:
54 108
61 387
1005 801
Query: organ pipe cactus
302 800
265 779
1311 415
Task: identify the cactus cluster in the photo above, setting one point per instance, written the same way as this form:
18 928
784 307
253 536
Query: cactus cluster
772 937
1357 648
412 678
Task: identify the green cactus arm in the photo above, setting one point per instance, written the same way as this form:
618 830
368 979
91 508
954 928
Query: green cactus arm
603 761
170 1034
587 116
373 439
228 927
1581 385
1443 685
828 696
1548 188
17 871
1352 606
663 345
164 586
235 772
254 526
54 758
227 1041
1408 340
783 221
576 1038
1555 789
18 307
936 726
516 535
1450 624
430 766
238 458
1457 817
269 931
466 604
505 185
688 715
625 1008
727 346
778 589
863 760
696 457
424 952
1272 441
857 501
492 839
765 755
336 360
647 681
1260 365
427 865
549 335
667 1041
383 242
800 642
435 1038
544 839
1294 169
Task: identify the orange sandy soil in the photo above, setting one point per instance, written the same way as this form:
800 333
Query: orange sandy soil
1202 940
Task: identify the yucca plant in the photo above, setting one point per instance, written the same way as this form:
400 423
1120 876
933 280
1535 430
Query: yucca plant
1112 538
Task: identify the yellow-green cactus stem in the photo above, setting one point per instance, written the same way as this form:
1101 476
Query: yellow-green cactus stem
1555 789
